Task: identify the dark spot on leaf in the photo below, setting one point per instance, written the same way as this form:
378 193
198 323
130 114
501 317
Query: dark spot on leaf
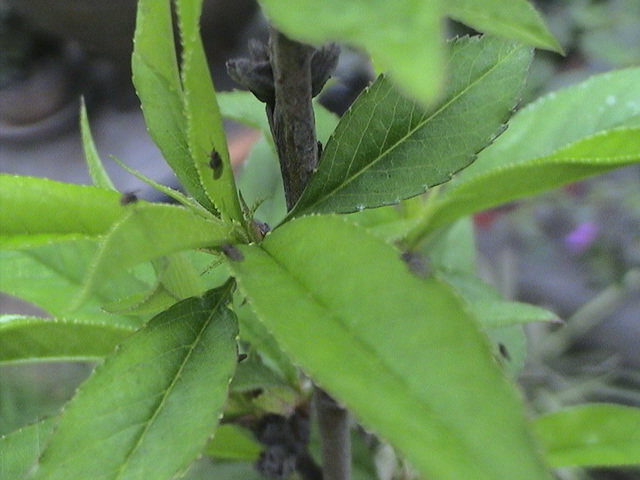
231 252
215 162
503 351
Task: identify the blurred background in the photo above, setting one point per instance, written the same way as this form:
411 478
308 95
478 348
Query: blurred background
575 250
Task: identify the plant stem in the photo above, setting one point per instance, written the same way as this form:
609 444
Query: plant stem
292 120
333 423
293 128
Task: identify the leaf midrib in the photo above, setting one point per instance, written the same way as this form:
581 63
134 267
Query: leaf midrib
408 135
170 388
369 350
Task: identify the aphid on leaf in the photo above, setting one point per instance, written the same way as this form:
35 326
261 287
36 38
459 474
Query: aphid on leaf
231 252
215 162
128 197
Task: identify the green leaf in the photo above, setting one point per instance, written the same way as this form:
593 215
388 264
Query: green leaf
205 132
252 374
592 435
565 136
179 276
401 353
243 107
96 169
157 82
587 157
20 450
24 339
224 470
179 197
488 306
167 381
254 331
52 276
390 223
32 206
515 20
326 122
149 302
232 442
387 148
151 231
260 182
509 348
402 36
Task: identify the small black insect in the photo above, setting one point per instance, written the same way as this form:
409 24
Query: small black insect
215 162
241 357
232 252
503 351
128 197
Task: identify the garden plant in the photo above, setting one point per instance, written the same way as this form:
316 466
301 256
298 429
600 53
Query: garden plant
328 292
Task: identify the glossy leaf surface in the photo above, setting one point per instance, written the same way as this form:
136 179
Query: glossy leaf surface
387 148
118 424
401 353
591 435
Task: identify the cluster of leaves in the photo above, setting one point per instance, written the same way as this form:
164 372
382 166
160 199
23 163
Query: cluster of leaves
156 292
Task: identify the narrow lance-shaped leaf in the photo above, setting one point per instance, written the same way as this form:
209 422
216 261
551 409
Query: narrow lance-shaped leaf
563 137
28 339
515 19
591 435
176 195
401 353
402 36
387 148
157 82
166 383
205 132
490 309
36 206
97 172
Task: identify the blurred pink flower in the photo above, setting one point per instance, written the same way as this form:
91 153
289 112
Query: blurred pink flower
581 237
